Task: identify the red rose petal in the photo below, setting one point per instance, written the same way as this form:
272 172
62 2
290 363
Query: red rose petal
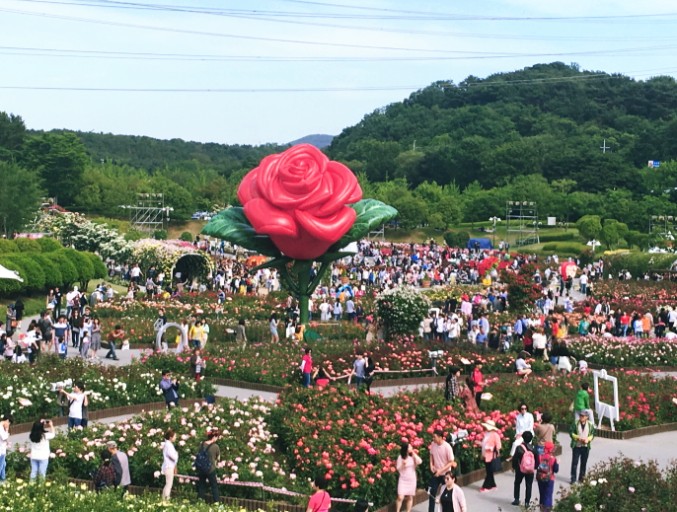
329 228
268 220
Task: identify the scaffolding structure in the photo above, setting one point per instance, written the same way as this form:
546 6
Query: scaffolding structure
522 219
663 226
150 213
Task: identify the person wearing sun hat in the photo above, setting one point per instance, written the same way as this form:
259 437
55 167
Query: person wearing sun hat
545 476
582 433
491 447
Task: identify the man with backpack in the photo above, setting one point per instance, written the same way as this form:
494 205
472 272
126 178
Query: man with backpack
205 465
524 464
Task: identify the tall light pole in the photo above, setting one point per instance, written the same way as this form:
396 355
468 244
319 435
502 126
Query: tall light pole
493 221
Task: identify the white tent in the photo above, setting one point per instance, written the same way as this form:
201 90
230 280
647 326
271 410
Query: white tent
6 273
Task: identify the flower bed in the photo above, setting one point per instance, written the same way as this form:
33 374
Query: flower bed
21 495
625 352
108 386
247 446
277 363
644 399
636 295
622 485
353 439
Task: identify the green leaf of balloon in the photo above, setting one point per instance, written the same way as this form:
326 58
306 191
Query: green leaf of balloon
232 225
371 213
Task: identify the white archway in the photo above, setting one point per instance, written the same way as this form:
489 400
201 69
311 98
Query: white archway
161 331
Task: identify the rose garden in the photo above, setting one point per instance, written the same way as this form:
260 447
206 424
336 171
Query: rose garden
271 450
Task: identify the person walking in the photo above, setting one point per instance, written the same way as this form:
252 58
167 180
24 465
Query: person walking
406 465
524 464
477 380
582 433
96 337
120 463
41 433
5 423
306 367
118 335
241 334
491 448
320 501
545 476
214 453
441 461
451 497
273 324
170 460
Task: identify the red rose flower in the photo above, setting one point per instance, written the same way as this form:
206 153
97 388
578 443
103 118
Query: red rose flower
299 199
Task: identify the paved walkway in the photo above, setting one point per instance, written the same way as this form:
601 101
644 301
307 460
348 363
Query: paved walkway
641 448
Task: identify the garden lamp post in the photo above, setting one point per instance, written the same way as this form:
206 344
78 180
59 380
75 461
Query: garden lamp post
494 221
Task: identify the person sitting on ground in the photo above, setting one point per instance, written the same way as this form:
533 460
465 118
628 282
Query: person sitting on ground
522 368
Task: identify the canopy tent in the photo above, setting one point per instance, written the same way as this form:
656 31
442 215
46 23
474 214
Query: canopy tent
479 243
6 273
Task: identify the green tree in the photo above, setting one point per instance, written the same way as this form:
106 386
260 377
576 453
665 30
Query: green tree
589 226
20 197
60 158
12 136
612 232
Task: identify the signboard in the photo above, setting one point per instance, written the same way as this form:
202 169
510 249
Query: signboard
654 164
603 409
552 221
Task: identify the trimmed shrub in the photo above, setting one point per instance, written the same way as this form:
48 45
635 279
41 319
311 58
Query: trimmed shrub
7 246
100 270
33 273
9 286
186 236
69 273
27 245
557 237
82 263
48 244
456 238
564 247
160 234
53 277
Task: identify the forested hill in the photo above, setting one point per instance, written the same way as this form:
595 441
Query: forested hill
148 153
549 119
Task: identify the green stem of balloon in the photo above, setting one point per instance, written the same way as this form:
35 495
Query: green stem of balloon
303 275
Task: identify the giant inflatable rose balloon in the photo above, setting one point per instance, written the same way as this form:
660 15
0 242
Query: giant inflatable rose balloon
300 199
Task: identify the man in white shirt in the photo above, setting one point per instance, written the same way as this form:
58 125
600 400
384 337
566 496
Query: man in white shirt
4 436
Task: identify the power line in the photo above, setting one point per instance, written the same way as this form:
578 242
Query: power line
392 14
518 82
463 55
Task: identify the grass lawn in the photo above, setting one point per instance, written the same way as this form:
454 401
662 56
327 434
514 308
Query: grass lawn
36 303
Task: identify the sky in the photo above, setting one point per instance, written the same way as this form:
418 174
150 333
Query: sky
264 71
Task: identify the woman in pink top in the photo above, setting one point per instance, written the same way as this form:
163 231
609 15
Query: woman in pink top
320 501
406 485
491 447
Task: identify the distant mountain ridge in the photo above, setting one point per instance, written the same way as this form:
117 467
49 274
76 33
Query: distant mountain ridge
319 140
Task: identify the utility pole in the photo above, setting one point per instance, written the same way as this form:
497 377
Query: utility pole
604 147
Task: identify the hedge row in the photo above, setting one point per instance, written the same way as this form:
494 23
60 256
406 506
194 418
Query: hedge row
44 244
43 270
557 237
637 263
566 248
